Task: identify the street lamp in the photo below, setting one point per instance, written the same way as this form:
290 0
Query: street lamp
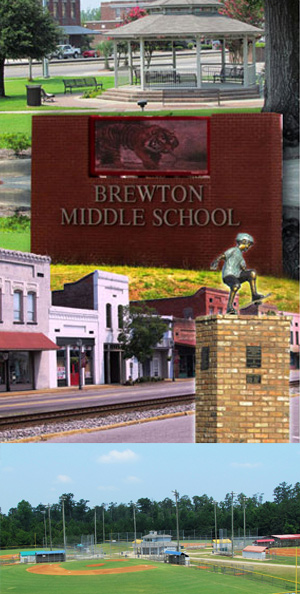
177 520
79 344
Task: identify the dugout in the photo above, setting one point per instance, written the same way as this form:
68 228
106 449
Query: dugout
176 558
50 556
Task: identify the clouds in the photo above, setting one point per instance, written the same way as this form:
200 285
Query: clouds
63 478
118 457
247 465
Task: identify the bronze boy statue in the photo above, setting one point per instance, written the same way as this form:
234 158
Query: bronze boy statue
234 271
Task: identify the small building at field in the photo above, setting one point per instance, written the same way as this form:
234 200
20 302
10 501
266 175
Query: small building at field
42 556
176 557
254 552
155 544
50 556
222 546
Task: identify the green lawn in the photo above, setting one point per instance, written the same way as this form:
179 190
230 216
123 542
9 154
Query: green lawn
162 579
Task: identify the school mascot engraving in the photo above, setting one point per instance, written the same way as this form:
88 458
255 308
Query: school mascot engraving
148 142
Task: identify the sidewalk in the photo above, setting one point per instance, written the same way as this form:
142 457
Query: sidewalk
77 104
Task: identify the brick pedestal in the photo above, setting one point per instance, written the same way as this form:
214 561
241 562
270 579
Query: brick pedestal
242 379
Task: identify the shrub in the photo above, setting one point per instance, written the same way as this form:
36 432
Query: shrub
91 94
17 142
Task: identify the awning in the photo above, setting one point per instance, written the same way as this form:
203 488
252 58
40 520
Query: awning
26 341
76 30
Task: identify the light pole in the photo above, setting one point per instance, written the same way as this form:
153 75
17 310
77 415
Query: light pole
64 526
95 529
216 533
232 529
49 518
177 520
44 513
244 506
103 524
134 527
45 60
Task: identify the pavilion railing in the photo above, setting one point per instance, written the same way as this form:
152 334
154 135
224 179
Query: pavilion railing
187 78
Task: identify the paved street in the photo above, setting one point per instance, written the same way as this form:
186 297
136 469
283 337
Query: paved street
61 399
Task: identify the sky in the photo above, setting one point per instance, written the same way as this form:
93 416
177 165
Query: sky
120 473
86 4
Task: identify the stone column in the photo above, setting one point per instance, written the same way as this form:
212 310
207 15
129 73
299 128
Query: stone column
242 379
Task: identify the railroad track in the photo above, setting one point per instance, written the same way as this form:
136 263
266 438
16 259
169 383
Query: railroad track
37 418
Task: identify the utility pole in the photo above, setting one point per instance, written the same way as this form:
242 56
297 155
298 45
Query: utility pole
95 530
177 520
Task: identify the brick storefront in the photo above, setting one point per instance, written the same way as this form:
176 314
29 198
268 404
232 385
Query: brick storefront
243 189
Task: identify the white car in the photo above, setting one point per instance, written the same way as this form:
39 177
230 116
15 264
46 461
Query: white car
66 51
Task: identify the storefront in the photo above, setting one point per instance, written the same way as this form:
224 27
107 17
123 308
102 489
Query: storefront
72 355
20 355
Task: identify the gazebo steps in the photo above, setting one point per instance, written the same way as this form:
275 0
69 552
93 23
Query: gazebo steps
174 95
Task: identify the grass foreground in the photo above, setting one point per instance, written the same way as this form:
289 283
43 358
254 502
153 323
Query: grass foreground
157 577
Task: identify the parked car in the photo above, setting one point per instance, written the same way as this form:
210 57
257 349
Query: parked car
90 53
65 51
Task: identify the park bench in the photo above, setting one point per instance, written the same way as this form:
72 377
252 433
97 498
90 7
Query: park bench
229 73
79 83
47 97
187 78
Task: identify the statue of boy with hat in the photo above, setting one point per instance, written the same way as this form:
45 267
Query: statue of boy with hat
235 272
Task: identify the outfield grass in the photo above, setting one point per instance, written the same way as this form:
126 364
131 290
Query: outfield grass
163 579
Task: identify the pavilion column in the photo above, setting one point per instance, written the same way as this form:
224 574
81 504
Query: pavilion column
223 54
173 56
130 63
116 62
198 60
254 56
142 63
245 60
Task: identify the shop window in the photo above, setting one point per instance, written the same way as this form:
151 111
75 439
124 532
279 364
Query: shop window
108 316
120 316
18 306
31 307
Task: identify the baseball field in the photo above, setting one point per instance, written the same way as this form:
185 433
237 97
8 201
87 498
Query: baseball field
123 576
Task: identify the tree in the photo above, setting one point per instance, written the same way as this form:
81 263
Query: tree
142 330
27 31
90 14
242 10
133 15
282 65
106 49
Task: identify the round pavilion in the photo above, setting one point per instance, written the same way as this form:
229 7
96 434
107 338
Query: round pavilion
189 20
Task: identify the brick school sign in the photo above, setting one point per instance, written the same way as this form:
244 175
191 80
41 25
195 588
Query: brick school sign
171 216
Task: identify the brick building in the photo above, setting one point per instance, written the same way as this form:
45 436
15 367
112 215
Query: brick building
185 310
67 15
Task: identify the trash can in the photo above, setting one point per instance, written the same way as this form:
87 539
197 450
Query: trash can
34 95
